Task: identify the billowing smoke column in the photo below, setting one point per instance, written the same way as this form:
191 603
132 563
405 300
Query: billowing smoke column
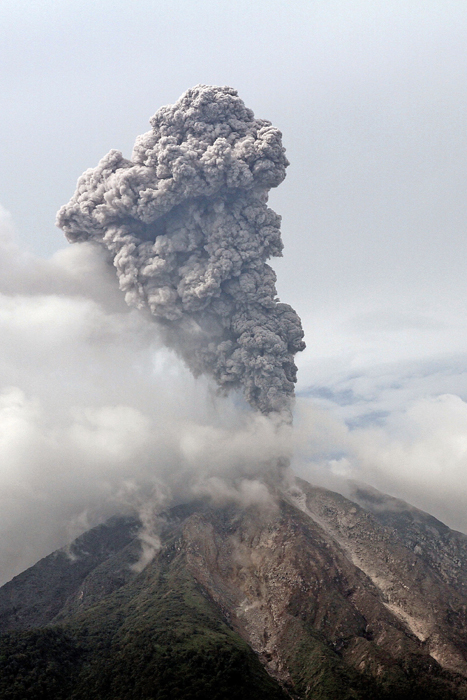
189 232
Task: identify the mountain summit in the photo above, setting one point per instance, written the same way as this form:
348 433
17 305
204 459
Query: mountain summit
313 597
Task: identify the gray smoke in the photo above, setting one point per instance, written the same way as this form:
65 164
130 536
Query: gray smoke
189 232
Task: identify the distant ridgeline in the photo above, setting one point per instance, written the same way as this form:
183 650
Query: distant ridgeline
321 597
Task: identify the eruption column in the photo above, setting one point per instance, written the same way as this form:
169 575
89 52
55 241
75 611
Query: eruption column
189 232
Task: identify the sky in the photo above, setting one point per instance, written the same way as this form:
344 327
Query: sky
371 100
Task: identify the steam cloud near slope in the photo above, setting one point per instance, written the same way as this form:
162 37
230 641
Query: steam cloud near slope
95 415
187 226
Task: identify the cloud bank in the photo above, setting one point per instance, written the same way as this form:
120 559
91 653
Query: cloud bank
96 415
416 452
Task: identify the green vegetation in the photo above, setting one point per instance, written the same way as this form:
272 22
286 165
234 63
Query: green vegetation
38 665
158 638
321 674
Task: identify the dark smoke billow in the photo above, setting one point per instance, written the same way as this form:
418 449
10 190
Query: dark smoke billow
187 226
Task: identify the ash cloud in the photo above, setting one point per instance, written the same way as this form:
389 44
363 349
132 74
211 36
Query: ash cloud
186 224
97 416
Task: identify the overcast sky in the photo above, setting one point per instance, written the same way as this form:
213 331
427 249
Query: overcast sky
371 99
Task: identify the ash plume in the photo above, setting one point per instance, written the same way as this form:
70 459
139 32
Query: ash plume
188 229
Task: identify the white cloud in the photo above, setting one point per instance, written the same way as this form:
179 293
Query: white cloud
418 454
96 416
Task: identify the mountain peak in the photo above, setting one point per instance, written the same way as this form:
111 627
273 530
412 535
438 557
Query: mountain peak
317 596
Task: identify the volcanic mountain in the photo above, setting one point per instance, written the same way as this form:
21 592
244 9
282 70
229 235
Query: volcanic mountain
313 596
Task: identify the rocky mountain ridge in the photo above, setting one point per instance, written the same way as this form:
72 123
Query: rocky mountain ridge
313 595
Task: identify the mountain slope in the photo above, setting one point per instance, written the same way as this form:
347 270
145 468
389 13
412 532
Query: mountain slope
37 595
314 596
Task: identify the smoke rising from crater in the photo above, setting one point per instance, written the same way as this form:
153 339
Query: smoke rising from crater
189 231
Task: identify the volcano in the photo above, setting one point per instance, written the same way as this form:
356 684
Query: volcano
313 596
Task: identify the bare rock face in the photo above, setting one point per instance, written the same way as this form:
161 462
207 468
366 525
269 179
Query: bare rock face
324 568
336 598
417 564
